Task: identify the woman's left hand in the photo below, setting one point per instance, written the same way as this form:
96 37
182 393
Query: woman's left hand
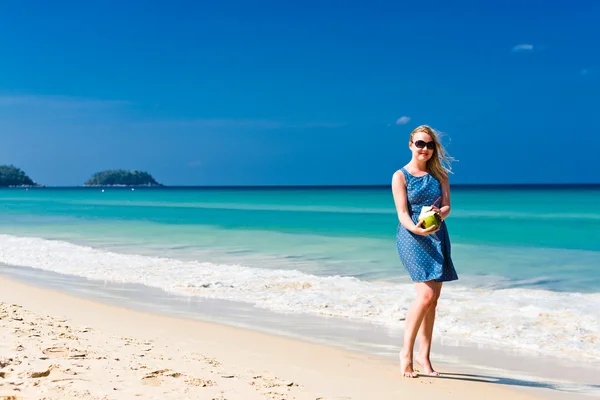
438 211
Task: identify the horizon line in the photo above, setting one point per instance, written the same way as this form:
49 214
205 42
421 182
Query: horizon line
309 186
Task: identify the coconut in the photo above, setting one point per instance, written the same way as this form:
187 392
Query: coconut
430 218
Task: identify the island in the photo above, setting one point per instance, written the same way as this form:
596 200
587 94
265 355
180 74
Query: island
121 177
11 176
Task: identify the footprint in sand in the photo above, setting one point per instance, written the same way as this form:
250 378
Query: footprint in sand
199 382
67 335
64 352
272 387
333 398
41 373
20 332
5 362
56 352
155 378
207 360
266 381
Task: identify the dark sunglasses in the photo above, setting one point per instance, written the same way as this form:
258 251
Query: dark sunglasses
421 144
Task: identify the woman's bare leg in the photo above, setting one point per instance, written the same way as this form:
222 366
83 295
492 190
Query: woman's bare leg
426 295
426 334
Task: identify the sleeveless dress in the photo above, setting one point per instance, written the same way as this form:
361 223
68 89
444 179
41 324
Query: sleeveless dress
428 257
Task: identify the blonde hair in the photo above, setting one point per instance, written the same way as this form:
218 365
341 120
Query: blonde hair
439 163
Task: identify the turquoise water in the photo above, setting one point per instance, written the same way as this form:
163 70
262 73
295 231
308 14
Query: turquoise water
535 222
329 251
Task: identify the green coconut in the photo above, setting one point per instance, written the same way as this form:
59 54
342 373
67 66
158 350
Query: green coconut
430 218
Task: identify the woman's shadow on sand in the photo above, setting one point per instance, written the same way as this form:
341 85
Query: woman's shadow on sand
499 380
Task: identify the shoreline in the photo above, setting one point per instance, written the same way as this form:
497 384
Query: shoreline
379 306
319 369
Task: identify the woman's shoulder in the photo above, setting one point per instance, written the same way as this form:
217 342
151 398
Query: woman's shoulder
399 176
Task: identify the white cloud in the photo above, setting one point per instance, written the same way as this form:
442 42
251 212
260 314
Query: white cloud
523 47
403 120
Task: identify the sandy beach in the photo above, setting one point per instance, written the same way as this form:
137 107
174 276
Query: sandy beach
56 346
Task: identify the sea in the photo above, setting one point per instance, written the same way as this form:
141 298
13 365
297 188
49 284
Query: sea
528 257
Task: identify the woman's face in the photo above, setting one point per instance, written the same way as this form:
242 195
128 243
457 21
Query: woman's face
420 146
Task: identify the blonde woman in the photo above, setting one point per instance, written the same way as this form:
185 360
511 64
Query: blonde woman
425 253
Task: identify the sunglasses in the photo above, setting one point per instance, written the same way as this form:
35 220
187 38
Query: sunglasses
421 144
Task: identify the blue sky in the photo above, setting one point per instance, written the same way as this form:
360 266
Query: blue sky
246 93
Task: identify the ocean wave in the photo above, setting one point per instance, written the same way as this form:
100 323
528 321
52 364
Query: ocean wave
558 324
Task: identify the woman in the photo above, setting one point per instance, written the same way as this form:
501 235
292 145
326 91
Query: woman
425 253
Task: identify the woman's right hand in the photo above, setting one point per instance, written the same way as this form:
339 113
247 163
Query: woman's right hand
419 230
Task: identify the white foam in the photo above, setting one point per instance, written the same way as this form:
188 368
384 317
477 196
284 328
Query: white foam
559 324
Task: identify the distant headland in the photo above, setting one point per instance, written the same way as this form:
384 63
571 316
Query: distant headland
11 176
121 177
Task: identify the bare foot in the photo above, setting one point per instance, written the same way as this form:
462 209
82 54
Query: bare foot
426 364
406 366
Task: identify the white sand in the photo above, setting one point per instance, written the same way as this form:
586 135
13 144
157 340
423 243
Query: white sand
56 346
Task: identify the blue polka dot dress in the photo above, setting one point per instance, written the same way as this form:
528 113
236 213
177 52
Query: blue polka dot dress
428 257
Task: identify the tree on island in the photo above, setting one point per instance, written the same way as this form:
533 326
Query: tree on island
121 177
13 176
